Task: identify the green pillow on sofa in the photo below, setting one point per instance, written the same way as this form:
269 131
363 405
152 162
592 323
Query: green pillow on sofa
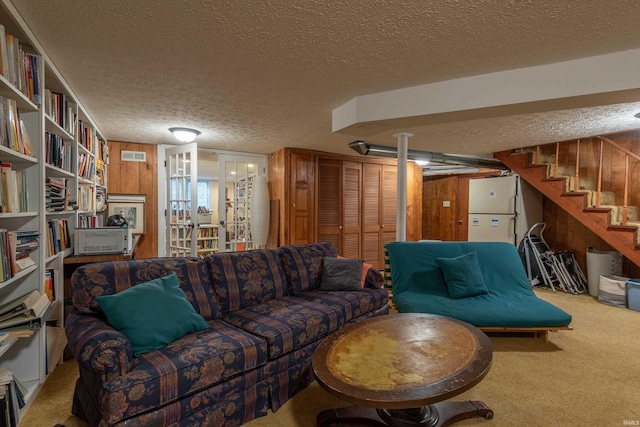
152 314
462 276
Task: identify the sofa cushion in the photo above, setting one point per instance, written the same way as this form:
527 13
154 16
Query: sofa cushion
352 304
302 265
152 314
243 279
287 323
365 271
341 274
107 278
198 361
462 276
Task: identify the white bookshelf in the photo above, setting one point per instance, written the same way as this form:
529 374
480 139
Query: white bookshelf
31 359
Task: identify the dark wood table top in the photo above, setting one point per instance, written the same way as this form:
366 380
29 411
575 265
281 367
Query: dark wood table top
402 360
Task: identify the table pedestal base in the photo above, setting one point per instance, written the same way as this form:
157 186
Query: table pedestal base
437 415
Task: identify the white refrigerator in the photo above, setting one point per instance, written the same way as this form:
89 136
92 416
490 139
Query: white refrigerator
502 209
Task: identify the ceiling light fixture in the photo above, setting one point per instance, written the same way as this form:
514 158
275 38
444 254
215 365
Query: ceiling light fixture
184 134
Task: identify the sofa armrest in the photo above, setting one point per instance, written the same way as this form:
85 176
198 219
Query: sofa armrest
97 346
374 279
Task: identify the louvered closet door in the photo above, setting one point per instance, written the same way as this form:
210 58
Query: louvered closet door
352 214
372 215
330 202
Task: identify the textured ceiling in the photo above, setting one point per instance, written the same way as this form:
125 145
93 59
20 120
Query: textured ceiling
260 75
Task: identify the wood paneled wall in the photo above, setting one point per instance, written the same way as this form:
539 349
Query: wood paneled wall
137 178
565 232
445 205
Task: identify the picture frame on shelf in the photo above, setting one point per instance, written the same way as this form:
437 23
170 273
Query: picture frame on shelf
131 207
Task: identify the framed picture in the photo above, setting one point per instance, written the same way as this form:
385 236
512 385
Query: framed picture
131 208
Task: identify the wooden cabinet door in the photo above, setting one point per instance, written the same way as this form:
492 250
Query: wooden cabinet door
372 250
352 209
339 205
330 202
301 199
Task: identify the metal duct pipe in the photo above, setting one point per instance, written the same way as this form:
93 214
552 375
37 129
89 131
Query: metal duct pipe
365 148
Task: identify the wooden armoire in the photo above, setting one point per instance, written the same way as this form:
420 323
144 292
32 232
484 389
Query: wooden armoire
349 201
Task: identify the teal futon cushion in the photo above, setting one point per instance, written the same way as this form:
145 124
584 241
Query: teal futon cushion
419 285
152 314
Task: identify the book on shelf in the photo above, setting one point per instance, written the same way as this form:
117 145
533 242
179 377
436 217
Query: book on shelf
15 250
19 66
21 244
56 195
57 152
12 398
13 189
58 236
50 283
4 59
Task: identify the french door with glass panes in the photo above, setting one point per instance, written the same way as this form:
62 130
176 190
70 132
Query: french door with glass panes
182 198
237 174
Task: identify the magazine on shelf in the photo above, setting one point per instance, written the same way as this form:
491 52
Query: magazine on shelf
23 310
19 305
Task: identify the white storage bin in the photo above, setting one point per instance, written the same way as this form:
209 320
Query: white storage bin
613 290
601 263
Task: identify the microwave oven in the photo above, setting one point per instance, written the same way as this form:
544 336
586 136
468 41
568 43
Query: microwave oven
102 240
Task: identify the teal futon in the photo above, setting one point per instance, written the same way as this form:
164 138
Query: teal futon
481 283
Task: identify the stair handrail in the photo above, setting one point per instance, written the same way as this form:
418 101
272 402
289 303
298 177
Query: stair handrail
619 147
628 153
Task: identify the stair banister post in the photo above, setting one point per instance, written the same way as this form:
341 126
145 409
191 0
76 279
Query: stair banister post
576 184
625 208
401 208
555 165
598 194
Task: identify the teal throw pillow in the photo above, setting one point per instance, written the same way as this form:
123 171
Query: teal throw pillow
341 274
462 276
152 314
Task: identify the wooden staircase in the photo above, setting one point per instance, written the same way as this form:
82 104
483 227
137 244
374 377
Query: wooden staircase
616 225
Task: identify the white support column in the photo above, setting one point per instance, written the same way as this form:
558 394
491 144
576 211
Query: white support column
401 211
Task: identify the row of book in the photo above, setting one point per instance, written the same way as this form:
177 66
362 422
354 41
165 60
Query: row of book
86 166
13 133
89 221
50 283
15 251
56 194
57 153
61 111
19 66
58 236
87 136
85 198
12 395
13 189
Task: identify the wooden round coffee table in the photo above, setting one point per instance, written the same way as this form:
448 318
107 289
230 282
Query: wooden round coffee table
397 370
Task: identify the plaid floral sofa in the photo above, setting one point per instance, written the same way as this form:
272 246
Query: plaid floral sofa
266 317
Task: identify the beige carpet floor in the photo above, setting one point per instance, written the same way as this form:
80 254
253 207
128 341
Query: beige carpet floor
586 377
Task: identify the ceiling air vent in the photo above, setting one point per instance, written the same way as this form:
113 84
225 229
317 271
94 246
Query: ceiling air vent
133 156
